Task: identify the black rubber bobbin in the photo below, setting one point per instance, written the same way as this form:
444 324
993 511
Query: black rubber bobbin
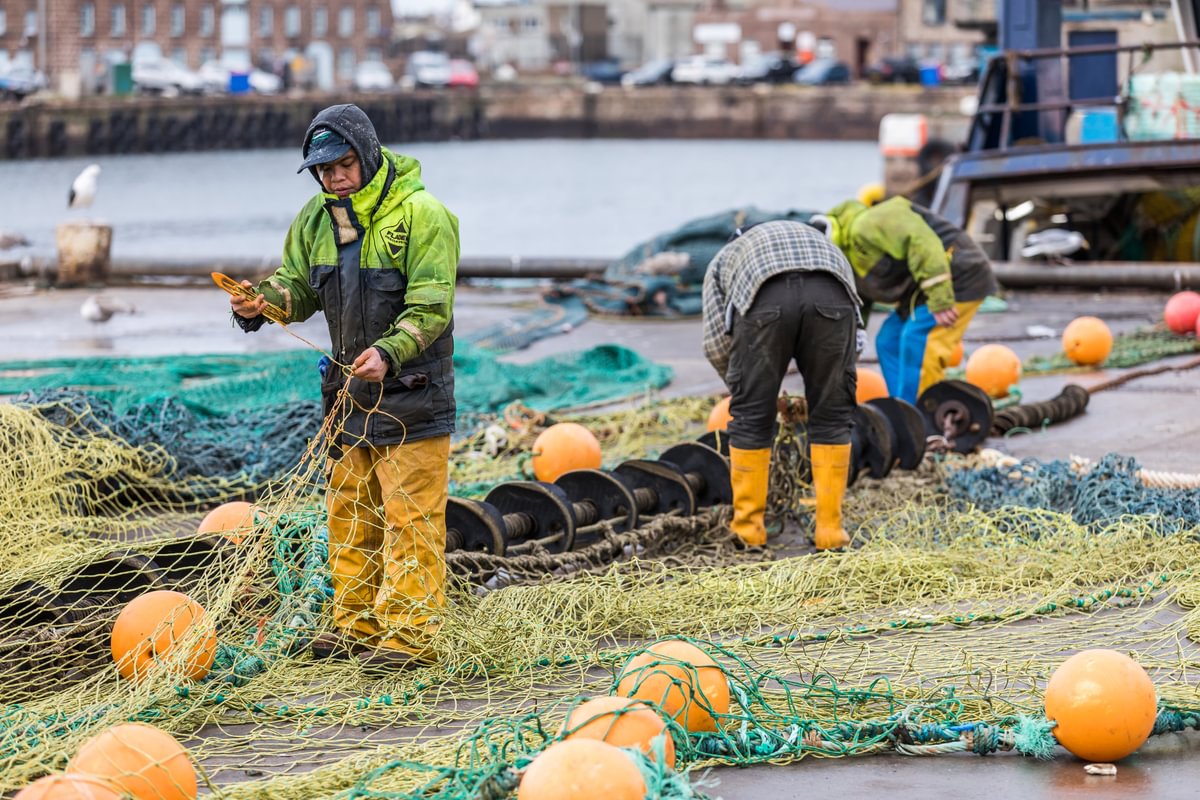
871 438
536 515
957 414
908 427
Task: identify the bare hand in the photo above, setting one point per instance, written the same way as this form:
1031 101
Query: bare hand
370 366
946 318
248 309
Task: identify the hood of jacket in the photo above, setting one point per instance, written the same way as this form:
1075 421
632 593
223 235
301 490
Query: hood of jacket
842 217
356 128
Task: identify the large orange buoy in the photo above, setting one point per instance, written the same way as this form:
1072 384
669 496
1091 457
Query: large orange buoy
956 356
140 760
1087 341
719 418
1104 704
562 448
681 679
69 787
994 368
1182 312
582 769
622 722
233 520
151 625
870 385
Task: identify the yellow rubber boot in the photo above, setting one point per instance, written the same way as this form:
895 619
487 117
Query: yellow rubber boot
830 469
749 472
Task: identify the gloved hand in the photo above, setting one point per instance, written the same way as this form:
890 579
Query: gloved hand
860 341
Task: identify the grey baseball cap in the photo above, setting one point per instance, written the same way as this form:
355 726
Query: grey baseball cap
324 145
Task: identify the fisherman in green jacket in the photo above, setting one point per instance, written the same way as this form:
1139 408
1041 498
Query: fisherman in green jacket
933 272
378 255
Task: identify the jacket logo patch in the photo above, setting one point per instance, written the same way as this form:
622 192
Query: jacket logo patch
396 239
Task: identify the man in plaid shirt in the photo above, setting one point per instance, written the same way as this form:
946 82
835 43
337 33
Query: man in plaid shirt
776 292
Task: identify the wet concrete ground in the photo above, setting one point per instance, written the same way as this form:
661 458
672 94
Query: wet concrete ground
1153 419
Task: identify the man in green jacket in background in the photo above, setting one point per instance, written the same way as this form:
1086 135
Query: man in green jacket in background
378 255
933 272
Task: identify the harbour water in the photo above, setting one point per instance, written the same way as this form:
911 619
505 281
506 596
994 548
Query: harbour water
530 198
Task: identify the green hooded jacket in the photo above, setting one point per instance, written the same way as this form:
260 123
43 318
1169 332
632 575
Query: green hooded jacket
381 265
904 254
428 262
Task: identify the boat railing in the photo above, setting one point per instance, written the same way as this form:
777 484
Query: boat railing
1007 77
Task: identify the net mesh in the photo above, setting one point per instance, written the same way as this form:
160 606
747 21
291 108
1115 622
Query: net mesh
935 633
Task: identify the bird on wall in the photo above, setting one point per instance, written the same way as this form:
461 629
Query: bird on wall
101 307
83 188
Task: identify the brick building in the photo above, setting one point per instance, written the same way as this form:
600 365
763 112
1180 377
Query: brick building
83 37
857 32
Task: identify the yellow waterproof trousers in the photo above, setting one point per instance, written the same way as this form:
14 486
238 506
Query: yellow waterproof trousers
387 542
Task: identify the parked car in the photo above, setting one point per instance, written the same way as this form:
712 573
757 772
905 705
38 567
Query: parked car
768 68
373 76
214 78
961 72
822 72
651 73
505 73
602 71
704 70
428 68
895 69
163 76
18 82
463 73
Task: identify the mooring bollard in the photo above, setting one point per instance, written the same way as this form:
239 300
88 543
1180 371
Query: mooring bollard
84 253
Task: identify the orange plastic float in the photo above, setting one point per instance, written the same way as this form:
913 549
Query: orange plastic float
681 679
151 625
1087 341
562 448
69 787
956 356
233 520
1182 312
994 368
870 386
140 760
719 418
582 769
622 722
1104 704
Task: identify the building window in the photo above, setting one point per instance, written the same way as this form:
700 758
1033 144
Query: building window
374 21
374 54
117 20
179 56
87 19
346 22
178 20
933 12
3 22
31 27
148 20
207 54
208 20
320 22
531 23
346 63
266 20
291 21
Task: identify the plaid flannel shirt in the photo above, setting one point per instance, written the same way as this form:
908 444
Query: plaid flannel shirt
745 264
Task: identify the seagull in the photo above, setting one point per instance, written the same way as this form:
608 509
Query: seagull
101 307
83 189
1054 243
8 240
